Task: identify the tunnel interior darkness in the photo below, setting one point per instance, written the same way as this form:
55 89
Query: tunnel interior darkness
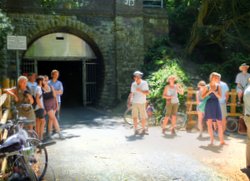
70 76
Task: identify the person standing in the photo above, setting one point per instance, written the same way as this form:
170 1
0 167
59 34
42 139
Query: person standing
170 93
139 90
212 107
242 81
223 102
23 100
58 87
201 85
246 98
39 109
32 83
50 105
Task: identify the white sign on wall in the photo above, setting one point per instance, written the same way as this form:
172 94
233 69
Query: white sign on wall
16 42
129 2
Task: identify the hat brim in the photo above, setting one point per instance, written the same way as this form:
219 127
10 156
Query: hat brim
243 66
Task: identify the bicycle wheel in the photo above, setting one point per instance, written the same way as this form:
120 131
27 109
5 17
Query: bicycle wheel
181 119
23 170
128 116
39 159
152 120
232 125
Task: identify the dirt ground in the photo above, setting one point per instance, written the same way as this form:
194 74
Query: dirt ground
100 147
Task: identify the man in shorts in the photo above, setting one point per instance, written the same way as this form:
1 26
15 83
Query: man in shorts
242 81
139 91
223 102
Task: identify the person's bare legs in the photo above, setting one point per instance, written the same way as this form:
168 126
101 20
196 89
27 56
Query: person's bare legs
165 122
42 125
210 130
220 131
224 124
240 94
173 124
200 120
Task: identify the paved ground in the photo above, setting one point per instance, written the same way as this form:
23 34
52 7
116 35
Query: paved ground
101 148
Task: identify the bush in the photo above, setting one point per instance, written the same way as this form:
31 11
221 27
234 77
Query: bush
157 82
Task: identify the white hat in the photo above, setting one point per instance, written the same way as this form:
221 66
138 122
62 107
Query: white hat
243 65
138 73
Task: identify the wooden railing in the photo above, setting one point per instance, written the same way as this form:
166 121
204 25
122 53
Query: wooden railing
191 105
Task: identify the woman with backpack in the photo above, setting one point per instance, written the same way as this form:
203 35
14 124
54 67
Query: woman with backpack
39 108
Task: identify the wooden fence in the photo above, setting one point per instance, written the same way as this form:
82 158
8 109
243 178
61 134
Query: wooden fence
191 105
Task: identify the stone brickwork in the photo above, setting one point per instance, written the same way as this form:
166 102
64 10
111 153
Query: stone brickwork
119 37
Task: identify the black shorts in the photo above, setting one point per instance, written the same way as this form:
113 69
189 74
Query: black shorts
39 113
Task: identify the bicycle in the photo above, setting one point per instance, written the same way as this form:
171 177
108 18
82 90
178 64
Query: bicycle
15 152
38 159
232 124
151 120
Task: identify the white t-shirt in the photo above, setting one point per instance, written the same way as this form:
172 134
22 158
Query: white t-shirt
39 92
242 79
139 97
246 98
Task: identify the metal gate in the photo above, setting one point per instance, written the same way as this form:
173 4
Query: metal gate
89 77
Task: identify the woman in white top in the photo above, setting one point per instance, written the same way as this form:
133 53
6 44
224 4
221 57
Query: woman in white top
39 109
170 93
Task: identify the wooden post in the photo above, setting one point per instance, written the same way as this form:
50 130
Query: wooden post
233 101
189 105
6 84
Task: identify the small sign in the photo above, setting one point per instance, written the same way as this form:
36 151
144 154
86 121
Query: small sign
16 42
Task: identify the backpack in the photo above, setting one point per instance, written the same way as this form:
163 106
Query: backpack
34 98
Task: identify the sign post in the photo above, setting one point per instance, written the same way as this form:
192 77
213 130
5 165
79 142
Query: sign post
17 43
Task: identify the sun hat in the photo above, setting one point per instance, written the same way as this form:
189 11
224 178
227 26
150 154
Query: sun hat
243 65
171 77
138 73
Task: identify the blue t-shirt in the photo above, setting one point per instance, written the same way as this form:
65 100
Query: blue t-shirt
57 86
224 90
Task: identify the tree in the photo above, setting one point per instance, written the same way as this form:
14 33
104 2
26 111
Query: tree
5 29
224 23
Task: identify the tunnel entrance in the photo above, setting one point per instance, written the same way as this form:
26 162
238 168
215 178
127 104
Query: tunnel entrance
70 76
74 59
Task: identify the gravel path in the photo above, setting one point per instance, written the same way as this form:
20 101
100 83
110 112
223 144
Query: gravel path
102 148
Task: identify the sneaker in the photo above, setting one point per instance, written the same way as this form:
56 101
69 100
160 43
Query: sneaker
200 135
215 134
226 133
61 137
144 132
173 132
136 132
163 130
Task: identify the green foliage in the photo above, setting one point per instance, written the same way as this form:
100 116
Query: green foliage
228 69
182 15
158 80
5 29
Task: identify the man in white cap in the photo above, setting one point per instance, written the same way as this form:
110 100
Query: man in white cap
242 81
139 91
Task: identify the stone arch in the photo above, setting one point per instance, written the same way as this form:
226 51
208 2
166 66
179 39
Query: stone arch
72 26
64 24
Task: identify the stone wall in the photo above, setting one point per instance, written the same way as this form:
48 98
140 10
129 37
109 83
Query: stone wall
120 37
